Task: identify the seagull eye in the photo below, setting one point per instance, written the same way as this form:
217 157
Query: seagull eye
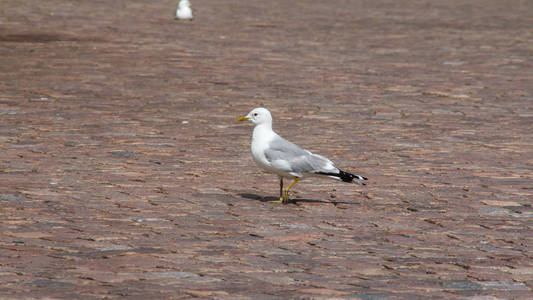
255 115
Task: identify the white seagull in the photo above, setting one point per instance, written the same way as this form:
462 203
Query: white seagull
279 156
184 11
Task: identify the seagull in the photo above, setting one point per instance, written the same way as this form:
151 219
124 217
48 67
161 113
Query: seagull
279 156
184 11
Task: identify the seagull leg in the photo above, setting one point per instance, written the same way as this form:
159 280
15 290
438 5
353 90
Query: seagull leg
280 192
286 195
281 188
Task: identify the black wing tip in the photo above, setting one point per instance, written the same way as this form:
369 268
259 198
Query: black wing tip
359 177
348 177
345 176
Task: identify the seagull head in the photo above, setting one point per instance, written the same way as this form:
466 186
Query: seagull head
184 3
258 116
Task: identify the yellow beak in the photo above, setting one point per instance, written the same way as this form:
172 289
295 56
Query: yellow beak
242 119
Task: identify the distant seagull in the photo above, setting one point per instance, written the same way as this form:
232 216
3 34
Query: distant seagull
184 11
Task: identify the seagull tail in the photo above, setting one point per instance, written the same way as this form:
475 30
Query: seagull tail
346 177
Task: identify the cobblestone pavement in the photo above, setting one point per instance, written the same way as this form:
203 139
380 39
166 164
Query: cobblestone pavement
124 174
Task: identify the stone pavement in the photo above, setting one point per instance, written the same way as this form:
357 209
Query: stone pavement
124 174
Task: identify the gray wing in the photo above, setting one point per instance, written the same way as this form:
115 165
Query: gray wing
289 157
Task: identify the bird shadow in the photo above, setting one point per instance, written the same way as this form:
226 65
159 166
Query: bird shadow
292 201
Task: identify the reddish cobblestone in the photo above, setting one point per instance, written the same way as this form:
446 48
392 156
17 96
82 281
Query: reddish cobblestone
124 173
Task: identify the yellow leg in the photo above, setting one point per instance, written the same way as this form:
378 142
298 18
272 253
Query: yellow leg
280 188
286 195
280 192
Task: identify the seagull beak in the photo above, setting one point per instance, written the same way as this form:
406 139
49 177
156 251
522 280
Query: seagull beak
243 119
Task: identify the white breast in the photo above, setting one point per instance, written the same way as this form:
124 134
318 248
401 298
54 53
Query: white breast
260 140
184 13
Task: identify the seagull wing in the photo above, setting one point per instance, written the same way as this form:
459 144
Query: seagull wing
289 157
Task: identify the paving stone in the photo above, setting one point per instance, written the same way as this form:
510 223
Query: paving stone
484 298
116 248
178 275
12 198
503 285
462 285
